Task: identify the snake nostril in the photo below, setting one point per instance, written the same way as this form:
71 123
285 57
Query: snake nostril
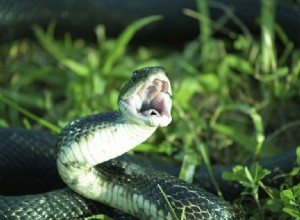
153 113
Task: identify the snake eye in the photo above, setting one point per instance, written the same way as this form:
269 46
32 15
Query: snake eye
134 77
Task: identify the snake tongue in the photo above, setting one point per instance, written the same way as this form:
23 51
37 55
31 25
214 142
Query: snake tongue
150 112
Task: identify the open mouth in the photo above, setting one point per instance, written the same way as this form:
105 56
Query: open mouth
154 99
152 102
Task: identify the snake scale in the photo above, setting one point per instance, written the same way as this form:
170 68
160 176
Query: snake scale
49 205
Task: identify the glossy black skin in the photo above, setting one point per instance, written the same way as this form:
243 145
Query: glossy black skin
37 173
17 17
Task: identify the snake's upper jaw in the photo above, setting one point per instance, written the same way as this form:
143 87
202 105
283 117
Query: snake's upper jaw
151 103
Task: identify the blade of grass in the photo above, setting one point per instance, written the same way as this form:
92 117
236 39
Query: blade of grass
188 167
236 135
201 148
41 121
168 202
46 39
23 98
124 39
205 30
59 51
98 217
267 35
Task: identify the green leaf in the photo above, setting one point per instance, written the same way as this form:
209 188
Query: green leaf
296 190
76 67
29 114
228 176
273 205
287 195
295 171
188 167
235 134
247 177
98 217
146 147
209 81
258 172
235 62
240 174
292 212
120 46
188 87
291 201
47 41
241 43
280 72
298 155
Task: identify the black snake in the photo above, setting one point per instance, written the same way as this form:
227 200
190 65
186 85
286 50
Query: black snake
48 205
86 143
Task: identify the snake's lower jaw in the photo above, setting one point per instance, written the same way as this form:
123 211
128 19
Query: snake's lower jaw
151 116
161 121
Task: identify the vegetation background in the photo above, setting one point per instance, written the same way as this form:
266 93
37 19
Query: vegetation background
236 98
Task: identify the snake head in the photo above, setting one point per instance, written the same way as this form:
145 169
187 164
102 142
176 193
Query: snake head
146 98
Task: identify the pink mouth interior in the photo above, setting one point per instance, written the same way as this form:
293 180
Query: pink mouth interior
152 99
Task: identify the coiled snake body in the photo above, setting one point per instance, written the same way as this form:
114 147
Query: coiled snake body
144 104
85 144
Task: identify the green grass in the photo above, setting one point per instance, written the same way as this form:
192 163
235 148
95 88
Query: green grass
232 101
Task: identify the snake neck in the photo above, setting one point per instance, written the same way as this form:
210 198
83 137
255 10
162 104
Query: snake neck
92 140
